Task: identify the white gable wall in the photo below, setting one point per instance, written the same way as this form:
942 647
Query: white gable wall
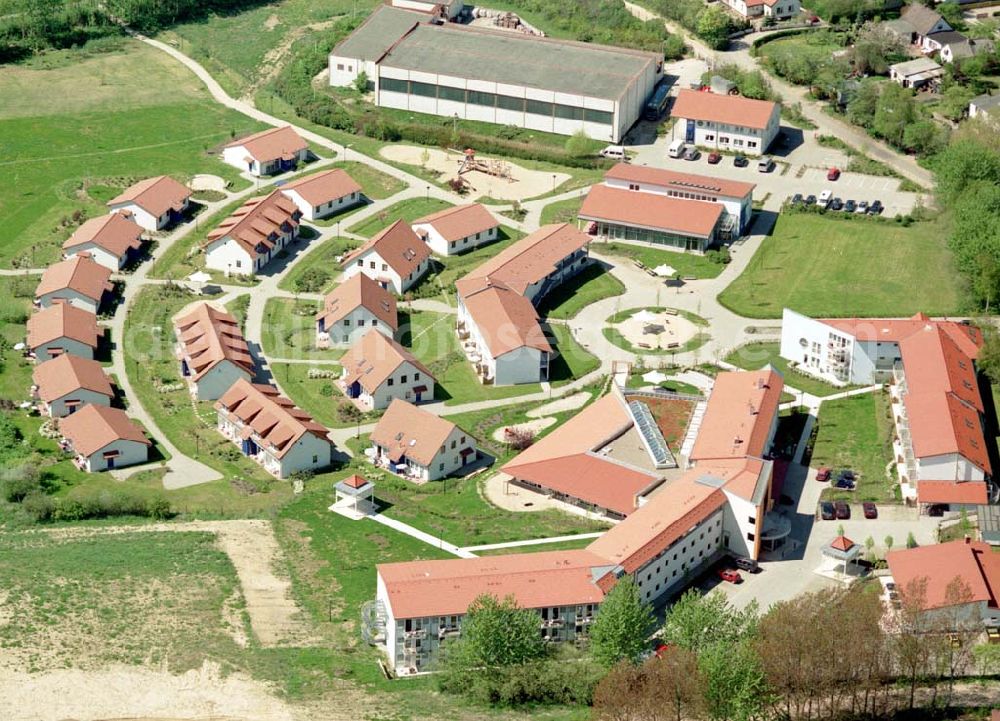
311 212
68 296
439 245
83 396
352 328
97 254
218 380
130 453
61 346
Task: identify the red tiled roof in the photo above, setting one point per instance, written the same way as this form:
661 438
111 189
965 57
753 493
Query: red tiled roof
87 277
258 222
209 336
95 427
155 195
965 492
974 563
418 589
271 144
324 186
933 362
116 233
728 109
940 424
374 358
738 415
407 430
460 221
67 374
359 291
968 338
682 182
651 210
398 246
506 319
355 481
842 543
274 418
62 320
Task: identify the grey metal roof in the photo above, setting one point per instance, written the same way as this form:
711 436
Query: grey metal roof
989 523
375 35
595 71
987 102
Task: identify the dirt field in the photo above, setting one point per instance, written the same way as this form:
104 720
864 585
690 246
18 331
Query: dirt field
526 183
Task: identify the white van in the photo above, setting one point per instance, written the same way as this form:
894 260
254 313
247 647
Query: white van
824 198
676 149
615 152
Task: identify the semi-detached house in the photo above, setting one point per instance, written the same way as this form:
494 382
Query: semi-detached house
377 370
395 258
79 281
212 351
60 329
352 309
248 239
418 445
726 122
154 203
751 9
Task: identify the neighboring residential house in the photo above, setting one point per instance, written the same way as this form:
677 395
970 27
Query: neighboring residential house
419 445
985 108
955 584
269 429
727 122
924 24
678 530
396 258
497 321
61 329
917 74
248 239
753 9
66 384
940 445
324 193
352 309
103 439
212 351
80 281
457 229
378 370
966 48
111 240
271 151
154 203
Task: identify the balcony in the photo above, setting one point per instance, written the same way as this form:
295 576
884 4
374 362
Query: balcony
552 623
415 634
448 632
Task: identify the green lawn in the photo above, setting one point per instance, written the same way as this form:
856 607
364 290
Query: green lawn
289 331
375 184
594 283
687 264
855 433
454 267
15 370
92 126
836 267
238 307
562 211
408 210
572 360
308 275
754 356
318 396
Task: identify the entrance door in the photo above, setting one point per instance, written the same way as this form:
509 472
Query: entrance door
111 463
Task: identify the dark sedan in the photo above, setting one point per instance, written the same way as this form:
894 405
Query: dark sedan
826 511
870 510
842 510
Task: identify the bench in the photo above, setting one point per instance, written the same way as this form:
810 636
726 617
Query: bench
670 311
673 345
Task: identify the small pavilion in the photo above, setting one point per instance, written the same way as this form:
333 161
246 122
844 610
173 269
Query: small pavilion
354 497
843 549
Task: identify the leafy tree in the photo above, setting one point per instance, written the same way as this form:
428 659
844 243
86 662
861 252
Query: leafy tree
911 540
623 625
888 541
861 109
952 12
579 144
500 633
361 82
713 26
312 280
965 161
736 688
875 48
955 101
697 622
894 111
924 137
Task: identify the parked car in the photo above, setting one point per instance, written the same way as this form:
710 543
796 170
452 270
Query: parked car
862 206
836 204
615 152
870 510
823 474
844 483
937 510
740 161
826 511
797 199
730 575
714 158
847 475
810 200
692 154
824 198
746 564
765 164
832 174
850 206
875 208
842 510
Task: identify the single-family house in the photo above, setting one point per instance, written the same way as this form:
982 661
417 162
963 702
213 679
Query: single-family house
964 48
754 9
396 258
726 122
248 239
378 370
497 321
324 193
924 24
66 384
103 438
352 309
212 350
419 445
111 240
985 108
154 203
62 328
269 429
457 229
269 152
918 73
79 281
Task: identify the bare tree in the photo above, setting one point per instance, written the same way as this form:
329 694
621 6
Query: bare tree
621 694
676 686
912 642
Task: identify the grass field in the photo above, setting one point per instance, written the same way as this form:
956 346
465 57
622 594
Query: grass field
826 267
687 264
594 283
289 331
408 210
855 433
561 211
323 258
95 125
454 267
754 356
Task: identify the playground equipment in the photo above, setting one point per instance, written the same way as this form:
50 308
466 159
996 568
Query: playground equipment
494 167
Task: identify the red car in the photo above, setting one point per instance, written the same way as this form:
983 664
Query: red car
833 174
869 509
714 158
728 574
823 474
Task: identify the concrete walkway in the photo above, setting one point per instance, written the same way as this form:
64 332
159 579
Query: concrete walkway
421 536
534 542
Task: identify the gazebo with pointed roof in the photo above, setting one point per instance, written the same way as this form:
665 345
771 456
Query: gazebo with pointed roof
355 493
843 549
